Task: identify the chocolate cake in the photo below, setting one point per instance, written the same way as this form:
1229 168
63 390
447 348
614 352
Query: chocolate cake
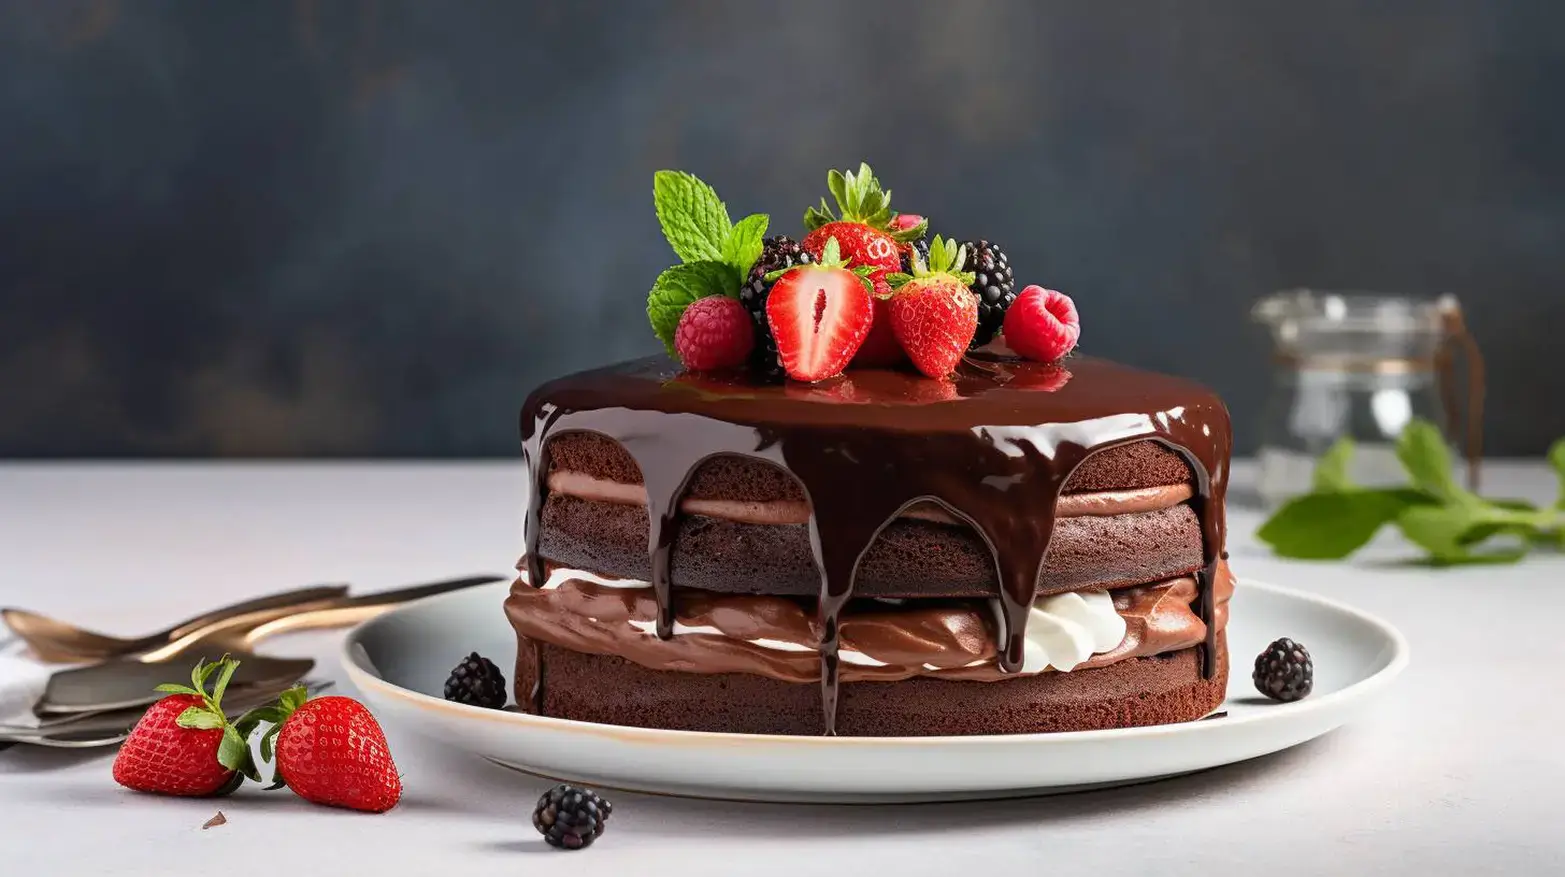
1019 547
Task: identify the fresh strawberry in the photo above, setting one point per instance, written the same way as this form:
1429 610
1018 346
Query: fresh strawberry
820 315
933 312
714 333
881 349
906 221
868 235
184 744
1042 324
331 751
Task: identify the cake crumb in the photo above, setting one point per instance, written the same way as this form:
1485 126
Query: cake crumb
215 821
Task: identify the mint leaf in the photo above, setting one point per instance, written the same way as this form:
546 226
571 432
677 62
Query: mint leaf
1557 460
680 285
199 718
1330 526
1427 459
1449 531
692 216
744 243
1331 470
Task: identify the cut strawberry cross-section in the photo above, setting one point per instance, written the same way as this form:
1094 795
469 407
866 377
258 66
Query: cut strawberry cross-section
820 315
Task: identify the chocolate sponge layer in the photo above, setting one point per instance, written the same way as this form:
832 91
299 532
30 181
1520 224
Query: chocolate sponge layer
1142 464
610 690
912 558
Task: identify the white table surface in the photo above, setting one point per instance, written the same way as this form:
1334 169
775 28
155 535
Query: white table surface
1462 771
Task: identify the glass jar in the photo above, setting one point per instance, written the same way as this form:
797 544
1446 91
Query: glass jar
1361 366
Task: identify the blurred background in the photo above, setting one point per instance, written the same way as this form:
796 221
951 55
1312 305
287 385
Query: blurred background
369 228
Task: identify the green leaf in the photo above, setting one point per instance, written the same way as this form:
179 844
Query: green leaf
175 688
266 746
1427 459
233 753
1330 526
744 243
693 218
1448 531
680 285
1557 460
897 280
200 718
1331 470
831 254
223 678
292 699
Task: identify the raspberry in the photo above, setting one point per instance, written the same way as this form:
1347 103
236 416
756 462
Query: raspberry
714 332
1042 324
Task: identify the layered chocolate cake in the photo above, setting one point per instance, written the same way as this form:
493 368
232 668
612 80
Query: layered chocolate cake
774 531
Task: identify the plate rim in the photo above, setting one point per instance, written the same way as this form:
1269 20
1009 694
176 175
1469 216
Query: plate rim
364 677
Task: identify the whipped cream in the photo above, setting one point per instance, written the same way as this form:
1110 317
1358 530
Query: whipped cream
1065 630
560 575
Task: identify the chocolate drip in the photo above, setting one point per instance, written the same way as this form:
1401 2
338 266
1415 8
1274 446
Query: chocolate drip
995 451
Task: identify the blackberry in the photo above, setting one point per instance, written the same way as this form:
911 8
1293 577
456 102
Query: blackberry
477 682
1284 671
777 253
570 817
993 283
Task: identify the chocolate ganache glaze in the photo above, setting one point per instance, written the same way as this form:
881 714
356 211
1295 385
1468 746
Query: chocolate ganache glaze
993 446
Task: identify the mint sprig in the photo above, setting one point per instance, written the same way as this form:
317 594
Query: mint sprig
717 254
680 285
1450 523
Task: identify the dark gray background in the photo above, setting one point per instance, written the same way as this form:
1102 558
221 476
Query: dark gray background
369 228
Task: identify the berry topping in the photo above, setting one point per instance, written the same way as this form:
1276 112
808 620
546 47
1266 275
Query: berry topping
908 221
477 682
993 283
933 312
714 332
184 744
820 315
881 349
1041 324
777 253
330 751
1284 671
570 817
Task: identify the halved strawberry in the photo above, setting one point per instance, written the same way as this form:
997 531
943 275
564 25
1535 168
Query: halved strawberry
933 312
820 315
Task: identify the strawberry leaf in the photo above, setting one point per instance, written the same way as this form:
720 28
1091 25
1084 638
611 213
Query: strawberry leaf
175 688
897 280
200 718
223 679
233 753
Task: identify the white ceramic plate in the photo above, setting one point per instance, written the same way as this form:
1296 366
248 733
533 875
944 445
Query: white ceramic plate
400 660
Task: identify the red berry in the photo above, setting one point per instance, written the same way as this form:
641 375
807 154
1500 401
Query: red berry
331 751
820 316
860 245
881 349
159 756
714 332
1042 324
934 318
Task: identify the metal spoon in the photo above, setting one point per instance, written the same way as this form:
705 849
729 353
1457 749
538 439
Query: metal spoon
59 642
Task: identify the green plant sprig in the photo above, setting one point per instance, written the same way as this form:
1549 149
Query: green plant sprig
1451 524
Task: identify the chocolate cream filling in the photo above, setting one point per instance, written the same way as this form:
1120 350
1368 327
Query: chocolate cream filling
790 511
778 637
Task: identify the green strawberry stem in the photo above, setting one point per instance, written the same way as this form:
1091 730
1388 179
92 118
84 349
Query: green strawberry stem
275 714
234 752
860 199
945 257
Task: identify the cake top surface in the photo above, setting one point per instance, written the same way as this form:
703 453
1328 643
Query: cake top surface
986 390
